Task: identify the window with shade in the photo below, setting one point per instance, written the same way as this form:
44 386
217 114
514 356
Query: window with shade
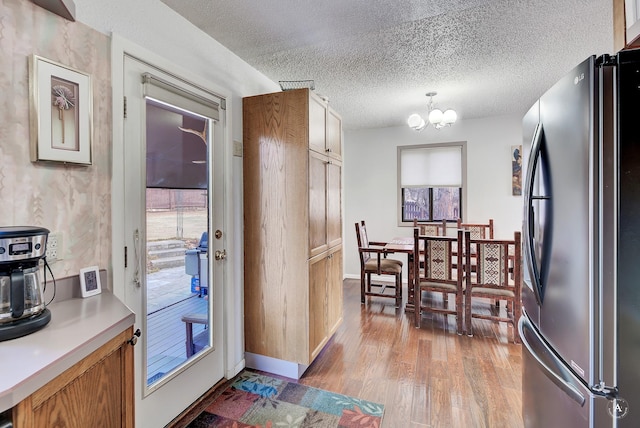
431 182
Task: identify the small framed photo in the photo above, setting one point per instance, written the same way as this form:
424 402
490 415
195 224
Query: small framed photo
90 281
60 112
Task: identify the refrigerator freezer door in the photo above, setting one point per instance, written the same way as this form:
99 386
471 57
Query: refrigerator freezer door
568 118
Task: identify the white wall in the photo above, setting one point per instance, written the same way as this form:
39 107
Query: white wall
154 26
370 179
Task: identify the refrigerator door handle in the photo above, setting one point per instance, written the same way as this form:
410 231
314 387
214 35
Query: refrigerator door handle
529 220
559 374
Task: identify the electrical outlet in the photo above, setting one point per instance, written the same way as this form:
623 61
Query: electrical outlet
54 247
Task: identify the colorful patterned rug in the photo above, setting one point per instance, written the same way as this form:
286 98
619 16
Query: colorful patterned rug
255 400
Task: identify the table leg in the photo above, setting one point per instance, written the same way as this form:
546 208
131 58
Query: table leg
409 307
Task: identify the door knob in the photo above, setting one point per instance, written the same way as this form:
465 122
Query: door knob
220 255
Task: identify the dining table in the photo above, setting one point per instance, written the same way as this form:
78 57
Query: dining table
404 245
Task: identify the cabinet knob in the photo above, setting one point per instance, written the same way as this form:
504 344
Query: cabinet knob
134 338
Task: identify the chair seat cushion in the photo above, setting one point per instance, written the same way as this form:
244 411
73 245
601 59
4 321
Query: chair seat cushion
498 292
449 287
386 265
394 261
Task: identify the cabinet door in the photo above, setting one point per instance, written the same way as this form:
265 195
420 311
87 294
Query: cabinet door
317 304
317 203
334 134
334 203
317 124
334 290
97 391
93 399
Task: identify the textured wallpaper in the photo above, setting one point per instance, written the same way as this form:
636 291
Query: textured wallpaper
71 201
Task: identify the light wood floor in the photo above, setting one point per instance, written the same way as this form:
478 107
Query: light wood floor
427 377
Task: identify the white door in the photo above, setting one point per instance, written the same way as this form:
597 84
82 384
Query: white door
173 226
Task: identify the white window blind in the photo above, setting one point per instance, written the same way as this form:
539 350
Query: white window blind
431 167
161 90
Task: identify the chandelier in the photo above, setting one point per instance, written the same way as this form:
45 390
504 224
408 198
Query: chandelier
437 118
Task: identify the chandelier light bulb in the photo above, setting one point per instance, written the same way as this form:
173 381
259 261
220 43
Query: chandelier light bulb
449 117
436 117
416 122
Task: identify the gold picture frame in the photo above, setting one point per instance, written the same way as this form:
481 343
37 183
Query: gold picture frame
61 120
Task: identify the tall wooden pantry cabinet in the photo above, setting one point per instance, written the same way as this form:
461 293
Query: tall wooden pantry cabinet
292 229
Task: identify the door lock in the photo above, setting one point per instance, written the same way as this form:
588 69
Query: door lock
220 255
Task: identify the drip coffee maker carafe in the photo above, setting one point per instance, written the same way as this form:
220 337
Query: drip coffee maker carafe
22 308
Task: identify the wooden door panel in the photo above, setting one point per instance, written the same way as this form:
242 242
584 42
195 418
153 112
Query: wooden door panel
95 396
317 204
334 134
317 305
317 124
334 291
334 203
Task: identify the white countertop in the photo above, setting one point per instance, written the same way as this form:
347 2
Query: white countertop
77 328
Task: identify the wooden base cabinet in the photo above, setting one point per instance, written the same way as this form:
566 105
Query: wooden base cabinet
96 392
325 303
292 224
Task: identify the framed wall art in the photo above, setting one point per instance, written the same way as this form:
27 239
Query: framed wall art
516 170
61 112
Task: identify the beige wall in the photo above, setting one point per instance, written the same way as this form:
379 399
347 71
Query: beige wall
70 200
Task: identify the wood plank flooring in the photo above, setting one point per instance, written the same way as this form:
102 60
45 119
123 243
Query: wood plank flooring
427 377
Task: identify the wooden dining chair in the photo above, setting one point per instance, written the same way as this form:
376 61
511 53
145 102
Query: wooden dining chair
496 278
434 228
373 260
478 230
438 275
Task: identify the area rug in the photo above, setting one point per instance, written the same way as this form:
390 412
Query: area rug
255 400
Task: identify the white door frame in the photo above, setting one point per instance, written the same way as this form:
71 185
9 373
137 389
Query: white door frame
232 298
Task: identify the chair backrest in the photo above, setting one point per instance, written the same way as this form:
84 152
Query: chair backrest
478 230
433 228
498 262
363 242
441 260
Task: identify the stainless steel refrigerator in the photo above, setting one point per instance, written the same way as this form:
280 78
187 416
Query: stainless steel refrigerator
580 326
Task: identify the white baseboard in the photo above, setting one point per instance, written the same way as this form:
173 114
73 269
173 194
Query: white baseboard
273 365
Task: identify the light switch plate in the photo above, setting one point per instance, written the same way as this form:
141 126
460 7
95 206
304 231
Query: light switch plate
237 148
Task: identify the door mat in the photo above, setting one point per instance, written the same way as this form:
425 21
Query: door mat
255 400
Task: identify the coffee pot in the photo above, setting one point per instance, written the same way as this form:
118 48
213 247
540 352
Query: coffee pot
22 306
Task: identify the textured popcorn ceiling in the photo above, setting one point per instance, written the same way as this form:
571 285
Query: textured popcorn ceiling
375 59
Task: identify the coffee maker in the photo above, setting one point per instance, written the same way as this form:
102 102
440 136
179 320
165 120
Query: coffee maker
22 307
